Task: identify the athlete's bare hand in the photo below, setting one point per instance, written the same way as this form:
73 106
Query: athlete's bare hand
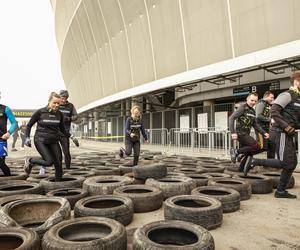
234 136
5 136
267 136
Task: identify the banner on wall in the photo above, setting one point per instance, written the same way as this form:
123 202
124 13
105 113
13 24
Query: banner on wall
184 122
202 121
221 120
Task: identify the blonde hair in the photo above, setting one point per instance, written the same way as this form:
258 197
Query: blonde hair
135 107
53 94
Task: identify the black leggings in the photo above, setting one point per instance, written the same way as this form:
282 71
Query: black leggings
51 155
65 146
5 169
135 145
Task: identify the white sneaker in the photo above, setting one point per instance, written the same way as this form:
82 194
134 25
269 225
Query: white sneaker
42 170
22 148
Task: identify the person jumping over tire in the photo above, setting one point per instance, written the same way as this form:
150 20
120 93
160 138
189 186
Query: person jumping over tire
133 127
240 123
286 115
50 127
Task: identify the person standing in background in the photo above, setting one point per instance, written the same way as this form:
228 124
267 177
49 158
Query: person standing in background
263 117
22 134
15 136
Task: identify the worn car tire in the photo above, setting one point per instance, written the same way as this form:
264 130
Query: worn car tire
204 211
259 184
19 238
145 198
105 184
71 194
116 207
243 187
37 214
156 171
88 233
229 197
177 235
275 177
50 184
173 185
19 187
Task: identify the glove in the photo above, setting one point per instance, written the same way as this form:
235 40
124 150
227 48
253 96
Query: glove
289 130
27 142
75 141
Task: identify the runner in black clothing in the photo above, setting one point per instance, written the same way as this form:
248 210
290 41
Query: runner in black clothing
50 127
22 133
70 114
133 127
15 136
5 114
286 115
240 123
263 117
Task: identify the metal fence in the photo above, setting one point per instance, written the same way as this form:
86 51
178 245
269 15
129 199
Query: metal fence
206 140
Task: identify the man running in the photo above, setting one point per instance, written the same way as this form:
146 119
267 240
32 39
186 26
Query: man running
5 114
286 115
263 117
240 123
70 114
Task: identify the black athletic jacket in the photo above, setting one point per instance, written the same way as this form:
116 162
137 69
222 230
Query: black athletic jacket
286 110
263 114
70 114
50 125
242 120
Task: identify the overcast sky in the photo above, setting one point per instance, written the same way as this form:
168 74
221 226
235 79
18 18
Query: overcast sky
29 57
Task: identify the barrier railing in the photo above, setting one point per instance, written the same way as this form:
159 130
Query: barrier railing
206 140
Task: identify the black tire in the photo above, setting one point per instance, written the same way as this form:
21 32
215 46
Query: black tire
37 214
13 176
212 168
177 235
126 168
37 178
204 211
215 176
189 170
171 186
107 171
275 177
71 194
259 184
199 179
50 184
19 238
134 180
19 187
229 197
89 233
115 207
156 171
81 173
105 184
8 199
145 198
243 187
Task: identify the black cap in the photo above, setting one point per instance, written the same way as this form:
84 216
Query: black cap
64 93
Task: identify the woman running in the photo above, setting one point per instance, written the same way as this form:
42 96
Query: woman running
50 127
133 129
